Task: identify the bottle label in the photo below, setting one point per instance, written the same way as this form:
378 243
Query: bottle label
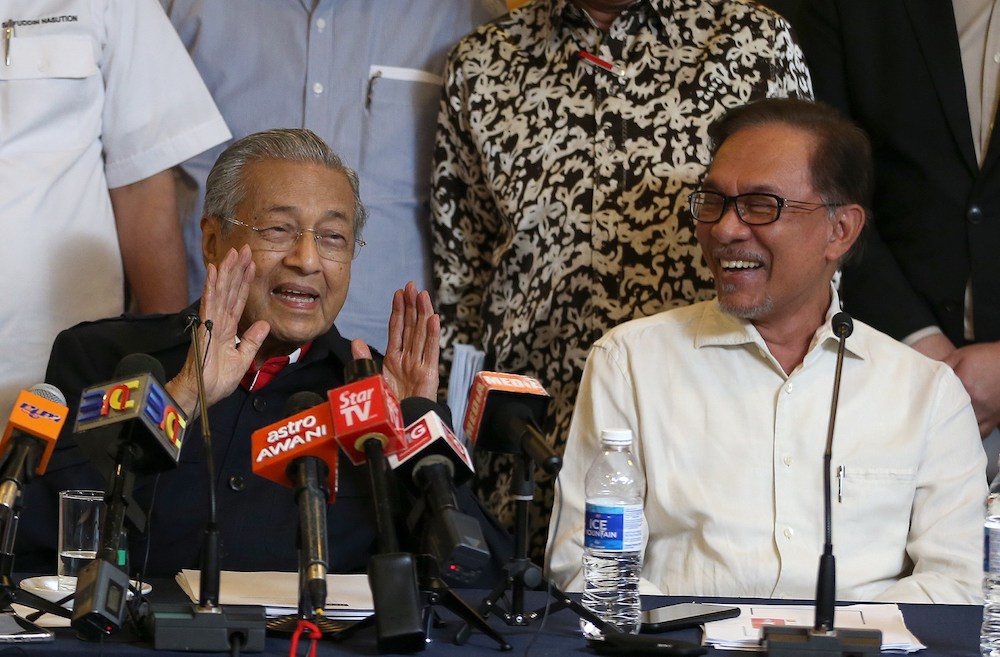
614 528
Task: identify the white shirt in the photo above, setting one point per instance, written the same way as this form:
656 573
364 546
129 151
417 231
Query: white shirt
98 94
732 451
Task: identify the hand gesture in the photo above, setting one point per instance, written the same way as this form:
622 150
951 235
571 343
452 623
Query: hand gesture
225 362
411 357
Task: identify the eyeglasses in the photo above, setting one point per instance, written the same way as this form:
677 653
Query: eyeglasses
756 209
330 244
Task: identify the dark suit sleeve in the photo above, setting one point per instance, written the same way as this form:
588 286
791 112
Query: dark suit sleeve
875 288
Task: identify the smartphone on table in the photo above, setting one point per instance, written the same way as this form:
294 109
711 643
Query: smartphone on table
13 628
684 615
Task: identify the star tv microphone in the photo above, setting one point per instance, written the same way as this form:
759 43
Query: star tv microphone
432 462
368 423
133 423
32 431
503 415
822 640
301 452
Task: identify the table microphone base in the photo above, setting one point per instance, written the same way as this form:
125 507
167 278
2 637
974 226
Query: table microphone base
288 624
183 627
794 641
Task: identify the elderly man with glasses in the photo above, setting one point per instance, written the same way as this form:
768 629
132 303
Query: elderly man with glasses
282 225
729 400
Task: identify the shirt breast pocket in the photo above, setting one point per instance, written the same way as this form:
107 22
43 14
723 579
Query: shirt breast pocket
54 90
871 502
402 107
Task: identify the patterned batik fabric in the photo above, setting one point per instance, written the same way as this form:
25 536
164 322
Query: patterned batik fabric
560 187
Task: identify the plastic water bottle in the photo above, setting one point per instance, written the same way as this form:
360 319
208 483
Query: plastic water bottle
989 636
612 548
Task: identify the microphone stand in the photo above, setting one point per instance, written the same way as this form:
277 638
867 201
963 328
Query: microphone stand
520 573
102 585
207 627
822 640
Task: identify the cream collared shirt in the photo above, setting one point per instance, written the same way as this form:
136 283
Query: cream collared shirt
732 452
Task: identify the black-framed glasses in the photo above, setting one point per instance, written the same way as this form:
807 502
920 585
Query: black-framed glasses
755 209
279 236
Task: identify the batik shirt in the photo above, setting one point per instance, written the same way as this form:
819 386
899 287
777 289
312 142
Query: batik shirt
560 184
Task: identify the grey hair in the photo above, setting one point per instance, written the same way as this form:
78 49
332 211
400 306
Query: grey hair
226 188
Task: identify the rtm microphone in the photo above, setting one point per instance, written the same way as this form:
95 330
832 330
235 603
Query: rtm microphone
822 640
133 409
133 423
432 462
32 431
301 452
369 423
503 415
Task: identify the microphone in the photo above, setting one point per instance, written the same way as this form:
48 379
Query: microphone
431 462
300 452
366 409
32 431
822 638
368 423
503 416
206 625
135 410
133 423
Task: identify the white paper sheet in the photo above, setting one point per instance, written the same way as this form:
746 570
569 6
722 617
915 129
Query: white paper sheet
348 596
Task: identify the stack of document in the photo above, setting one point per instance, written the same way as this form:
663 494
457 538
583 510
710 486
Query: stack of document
743 631
348 596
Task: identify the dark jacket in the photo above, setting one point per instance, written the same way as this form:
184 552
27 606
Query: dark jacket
894 66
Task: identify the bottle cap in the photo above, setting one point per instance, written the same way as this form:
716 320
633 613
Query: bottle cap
616 437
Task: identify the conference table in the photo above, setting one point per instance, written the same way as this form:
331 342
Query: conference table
946 630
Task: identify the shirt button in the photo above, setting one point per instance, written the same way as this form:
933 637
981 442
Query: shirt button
787 460
789 388
996 58
236 483
259 404
788 532
317 88
321 24
974 214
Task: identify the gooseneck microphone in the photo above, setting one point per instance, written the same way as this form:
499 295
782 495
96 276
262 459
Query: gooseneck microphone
207 626
822 640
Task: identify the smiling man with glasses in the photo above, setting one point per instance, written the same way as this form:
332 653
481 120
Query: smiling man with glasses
282 225
729 399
